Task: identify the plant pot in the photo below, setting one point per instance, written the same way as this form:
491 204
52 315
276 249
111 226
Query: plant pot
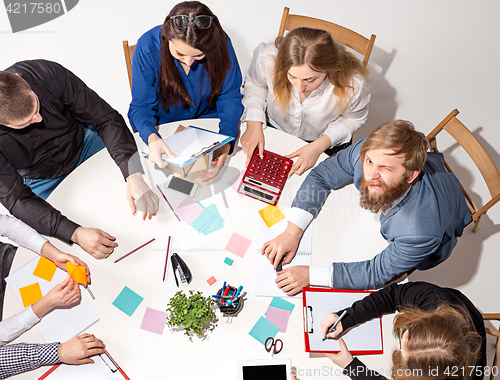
229 309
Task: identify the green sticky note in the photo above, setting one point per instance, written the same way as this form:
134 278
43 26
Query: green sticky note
280 303
127 301
264 329
228 261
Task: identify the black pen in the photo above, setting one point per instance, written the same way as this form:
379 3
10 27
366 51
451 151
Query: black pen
335 324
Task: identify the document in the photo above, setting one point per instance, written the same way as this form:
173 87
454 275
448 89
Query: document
318 303
59 325
192 143
265 275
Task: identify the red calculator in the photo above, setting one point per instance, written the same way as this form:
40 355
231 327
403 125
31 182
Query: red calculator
265 178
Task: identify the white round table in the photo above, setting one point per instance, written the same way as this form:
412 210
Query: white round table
94 196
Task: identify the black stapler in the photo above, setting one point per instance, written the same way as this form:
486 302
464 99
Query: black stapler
178 265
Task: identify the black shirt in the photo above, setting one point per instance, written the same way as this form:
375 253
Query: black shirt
52 148
394 297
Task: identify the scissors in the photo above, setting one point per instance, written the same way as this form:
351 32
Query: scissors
275 345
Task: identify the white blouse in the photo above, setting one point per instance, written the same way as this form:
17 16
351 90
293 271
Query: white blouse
316 116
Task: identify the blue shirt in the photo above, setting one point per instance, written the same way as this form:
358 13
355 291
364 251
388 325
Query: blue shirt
145 110
422 228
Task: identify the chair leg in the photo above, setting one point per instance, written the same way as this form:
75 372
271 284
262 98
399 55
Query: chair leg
477 224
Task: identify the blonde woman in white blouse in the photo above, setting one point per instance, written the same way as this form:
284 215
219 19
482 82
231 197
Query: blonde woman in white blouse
308 85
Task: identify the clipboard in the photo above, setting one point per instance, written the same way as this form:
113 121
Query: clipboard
104 368
365 339
191 144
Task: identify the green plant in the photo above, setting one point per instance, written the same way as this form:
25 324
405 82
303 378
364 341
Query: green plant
194 313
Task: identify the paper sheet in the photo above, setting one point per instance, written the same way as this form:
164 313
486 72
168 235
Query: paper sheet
128 301
366 337
264 329
59 325
45 269
271 215
238 245
30 294
279 317
265 275
154 321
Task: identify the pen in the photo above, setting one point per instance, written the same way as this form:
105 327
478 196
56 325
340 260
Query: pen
166 259
90 292
237 292
220 297
169 205
335 324
135 250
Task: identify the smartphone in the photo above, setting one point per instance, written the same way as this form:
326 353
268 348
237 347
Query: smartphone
181 185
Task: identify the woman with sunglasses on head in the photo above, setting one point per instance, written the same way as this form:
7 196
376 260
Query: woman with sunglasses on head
308 85
441 334
185 69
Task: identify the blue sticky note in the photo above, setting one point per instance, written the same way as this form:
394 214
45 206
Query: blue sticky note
263 329
228 261
208 221
127 301
280 303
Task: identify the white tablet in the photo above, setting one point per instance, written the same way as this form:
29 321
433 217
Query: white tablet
266 369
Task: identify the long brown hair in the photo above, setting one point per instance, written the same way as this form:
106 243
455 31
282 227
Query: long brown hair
438 341
211 42
316 48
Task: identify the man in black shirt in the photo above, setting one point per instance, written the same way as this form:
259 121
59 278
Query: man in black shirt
46 117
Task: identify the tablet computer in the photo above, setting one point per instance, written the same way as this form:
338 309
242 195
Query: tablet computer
266 369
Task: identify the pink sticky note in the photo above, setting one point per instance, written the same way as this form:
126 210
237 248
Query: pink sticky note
188 210
238 245
154 321
279 317
211 280
235 182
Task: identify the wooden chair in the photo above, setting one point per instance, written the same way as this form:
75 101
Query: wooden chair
129 52
343 35
481 159
496 317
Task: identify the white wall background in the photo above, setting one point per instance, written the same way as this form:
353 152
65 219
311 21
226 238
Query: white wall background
429 58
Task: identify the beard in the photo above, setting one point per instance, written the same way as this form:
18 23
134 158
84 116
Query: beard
382 201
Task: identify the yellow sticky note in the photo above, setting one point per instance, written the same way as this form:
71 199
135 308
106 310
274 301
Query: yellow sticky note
45 269
30 294
271 215
78 273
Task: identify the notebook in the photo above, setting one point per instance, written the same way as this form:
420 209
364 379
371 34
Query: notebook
265 275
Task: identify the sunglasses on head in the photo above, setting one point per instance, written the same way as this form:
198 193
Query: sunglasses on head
183 21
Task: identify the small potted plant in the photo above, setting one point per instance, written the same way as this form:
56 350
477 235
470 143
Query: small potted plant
194 313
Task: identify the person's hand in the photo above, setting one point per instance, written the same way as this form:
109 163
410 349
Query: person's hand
78 349
344 357
252 138
156 148
64 294
61 259
284 244
138 191
307 157
218 160
292 280
97 242
328 322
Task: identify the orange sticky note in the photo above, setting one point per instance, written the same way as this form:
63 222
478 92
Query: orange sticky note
78 273
271 215
30 294
45 269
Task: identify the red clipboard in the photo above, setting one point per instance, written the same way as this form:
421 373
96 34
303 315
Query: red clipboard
117 368
366 339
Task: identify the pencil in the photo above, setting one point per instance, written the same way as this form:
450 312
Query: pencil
169 205
166 259
135 250
88 289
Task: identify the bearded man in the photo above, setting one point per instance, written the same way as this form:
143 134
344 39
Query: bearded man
422 210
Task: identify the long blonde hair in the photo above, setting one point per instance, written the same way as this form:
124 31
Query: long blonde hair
438 341
316 48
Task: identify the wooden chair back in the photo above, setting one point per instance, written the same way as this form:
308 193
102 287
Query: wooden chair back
479 156
128 51
343 35
496 333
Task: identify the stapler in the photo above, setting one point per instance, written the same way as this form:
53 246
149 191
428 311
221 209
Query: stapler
178 265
